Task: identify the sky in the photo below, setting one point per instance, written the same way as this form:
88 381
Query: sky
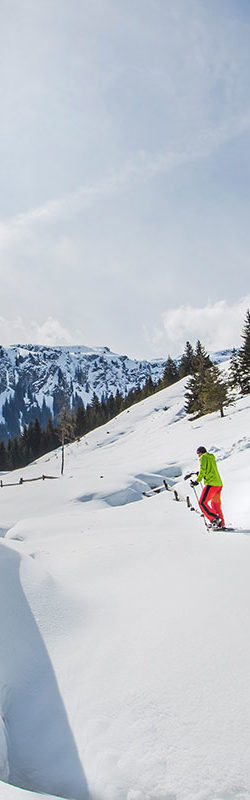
125 173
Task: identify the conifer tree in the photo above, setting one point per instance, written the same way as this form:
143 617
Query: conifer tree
50 437
30 438
186 362
235 374
111 407
118 402
194 404
3 432
170 372
33 442
36 439
14 457
25 448
3 457
9 455
201 364
104 409
244 356
80 424
96 411
214 393
45 413
201 360
148 389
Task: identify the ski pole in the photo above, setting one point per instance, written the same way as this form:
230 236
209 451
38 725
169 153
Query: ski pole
202 515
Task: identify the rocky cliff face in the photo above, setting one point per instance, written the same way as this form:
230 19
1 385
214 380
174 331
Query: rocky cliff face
36 381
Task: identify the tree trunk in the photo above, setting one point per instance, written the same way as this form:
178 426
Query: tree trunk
62 464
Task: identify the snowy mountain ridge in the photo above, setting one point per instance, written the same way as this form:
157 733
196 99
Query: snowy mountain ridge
36 380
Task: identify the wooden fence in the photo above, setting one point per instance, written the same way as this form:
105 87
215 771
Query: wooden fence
30 480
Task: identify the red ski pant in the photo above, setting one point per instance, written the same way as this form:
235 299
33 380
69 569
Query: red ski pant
210 502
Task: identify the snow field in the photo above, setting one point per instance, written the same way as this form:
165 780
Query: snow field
124 628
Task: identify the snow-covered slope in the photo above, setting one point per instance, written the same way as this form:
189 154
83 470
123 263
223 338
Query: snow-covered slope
34 379
125 654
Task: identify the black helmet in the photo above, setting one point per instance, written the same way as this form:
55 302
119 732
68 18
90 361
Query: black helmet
201 450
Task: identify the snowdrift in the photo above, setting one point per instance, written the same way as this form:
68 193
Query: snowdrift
125 654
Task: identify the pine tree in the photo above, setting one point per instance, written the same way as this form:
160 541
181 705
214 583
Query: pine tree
148 389
201 360
96 411
80 425
186 362
235 374
104 408
118 402
50 436
25 448
36 439
30 438
45 413
214 394
3 457
34 434
244 356
111 407
14 454
10 465
194 404
170 372
201 364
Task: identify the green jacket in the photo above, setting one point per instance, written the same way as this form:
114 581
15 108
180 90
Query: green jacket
208 470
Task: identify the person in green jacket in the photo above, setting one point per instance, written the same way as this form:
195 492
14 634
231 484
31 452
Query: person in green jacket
210 499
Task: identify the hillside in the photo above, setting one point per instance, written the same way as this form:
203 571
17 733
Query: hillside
35 381
125 655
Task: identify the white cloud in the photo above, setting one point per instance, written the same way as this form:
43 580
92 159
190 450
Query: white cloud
109 132
50 332
144 166
218 326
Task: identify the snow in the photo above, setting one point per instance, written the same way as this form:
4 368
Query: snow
85 371
124 629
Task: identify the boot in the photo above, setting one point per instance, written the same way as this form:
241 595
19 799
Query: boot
216 523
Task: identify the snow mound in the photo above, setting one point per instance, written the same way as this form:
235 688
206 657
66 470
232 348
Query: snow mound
41 751
125 653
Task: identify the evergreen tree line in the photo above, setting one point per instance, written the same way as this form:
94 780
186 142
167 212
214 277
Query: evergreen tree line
71 424
240 361
206 391
15 407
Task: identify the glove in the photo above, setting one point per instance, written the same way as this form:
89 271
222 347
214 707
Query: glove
189 475
194 483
